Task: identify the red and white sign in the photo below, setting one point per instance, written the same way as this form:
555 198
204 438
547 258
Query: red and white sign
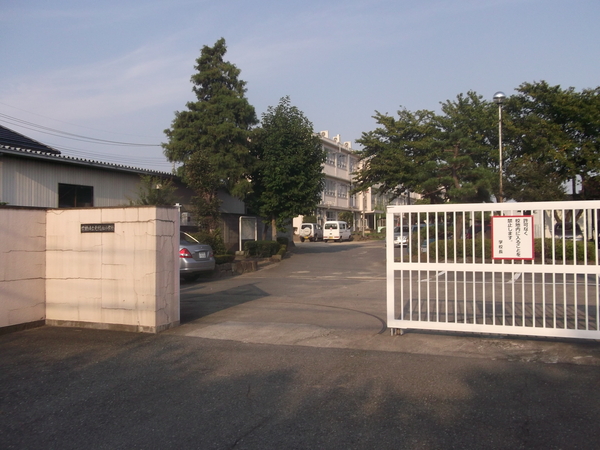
512 237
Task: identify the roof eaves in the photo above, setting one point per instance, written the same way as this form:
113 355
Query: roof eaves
37 154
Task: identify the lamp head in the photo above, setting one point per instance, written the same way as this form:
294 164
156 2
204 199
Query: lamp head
499 97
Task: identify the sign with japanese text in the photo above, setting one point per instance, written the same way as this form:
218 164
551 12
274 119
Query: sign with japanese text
97 227
512 237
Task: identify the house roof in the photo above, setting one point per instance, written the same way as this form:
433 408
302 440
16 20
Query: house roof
15 144
64 159
11 138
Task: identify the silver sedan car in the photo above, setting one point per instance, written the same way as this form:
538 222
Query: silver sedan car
194 257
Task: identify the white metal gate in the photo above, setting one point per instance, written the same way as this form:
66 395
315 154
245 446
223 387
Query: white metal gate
507 268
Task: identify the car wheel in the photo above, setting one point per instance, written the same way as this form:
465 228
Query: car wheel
301 239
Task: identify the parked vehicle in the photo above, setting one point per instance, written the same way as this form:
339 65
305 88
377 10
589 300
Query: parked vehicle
565 230
401 236
474 230
194 257
336 230
310 231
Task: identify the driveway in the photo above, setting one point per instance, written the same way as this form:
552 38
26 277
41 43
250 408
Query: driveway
324 295
332 295
294 356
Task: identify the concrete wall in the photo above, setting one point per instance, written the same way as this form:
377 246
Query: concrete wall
22 266
127 279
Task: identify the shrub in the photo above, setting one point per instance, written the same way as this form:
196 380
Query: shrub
464 248
261 249
223 259
213 238
556 254
570 250
282 240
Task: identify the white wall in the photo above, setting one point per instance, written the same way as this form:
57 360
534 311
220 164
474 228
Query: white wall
22 266
127 279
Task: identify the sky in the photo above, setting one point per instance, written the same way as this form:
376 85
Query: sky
102 80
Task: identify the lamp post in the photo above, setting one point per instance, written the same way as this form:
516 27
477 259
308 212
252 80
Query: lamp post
499 99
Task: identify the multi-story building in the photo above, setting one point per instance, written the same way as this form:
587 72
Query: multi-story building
366 209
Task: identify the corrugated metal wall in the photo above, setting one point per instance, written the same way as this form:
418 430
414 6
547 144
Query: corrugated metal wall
25 182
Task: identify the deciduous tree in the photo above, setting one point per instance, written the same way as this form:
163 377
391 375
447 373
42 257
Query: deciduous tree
443 157
155 191
287 178
558 130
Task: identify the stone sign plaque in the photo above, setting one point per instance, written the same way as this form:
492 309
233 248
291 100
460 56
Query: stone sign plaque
97 227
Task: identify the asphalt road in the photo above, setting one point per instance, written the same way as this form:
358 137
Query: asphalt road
295 356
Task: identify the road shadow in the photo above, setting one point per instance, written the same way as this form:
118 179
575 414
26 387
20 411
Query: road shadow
194 305
65 388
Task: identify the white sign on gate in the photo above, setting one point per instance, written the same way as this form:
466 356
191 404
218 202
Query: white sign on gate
512 237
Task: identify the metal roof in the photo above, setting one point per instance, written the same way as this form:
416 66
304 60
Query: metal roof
16 144
11 138
64 159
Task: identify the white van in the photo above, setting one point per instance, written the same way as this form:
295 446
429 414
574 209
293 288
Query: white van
336 230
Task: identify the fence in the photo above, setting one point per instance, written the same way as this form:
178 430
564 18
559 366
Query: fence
507 268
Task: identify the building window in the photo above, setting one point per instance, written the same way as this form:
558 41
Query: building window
74 196
341 163
351 165
330 158
343 191
330 188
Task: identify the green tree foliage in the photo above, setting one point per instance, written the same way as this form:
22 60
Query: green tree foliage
550 136
211 137
398 157
467 169
557 130
441 157
155 191
287 177
347 217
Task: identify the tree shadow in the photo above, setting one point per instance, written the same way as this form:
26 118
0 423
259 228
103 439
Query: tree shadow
194 306
65 388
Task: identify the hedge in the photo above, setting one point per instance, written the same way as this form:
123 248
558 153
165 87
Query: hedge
261 249
464 249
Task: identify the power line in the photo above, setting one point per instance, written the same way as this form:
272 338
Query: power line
63 134
148 161
69 123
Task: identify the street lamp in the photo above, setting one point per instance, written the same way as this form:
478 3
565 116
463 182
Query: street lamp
499 99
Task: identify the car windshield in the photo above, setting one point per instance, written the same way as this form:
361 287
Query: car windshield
331 226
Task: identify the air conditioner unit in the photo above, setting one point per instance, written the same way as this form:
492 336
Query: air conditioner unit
336 138
347 144
324 134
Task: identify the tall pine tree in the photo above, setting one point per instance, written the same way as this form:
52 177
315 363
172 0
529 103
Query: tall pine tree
211 138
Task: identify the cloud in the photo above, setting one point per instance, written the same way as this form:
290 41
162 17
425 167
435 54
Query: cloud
144 78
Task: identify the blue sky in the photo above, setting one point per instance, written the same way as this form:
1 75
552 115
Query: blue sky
117 70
